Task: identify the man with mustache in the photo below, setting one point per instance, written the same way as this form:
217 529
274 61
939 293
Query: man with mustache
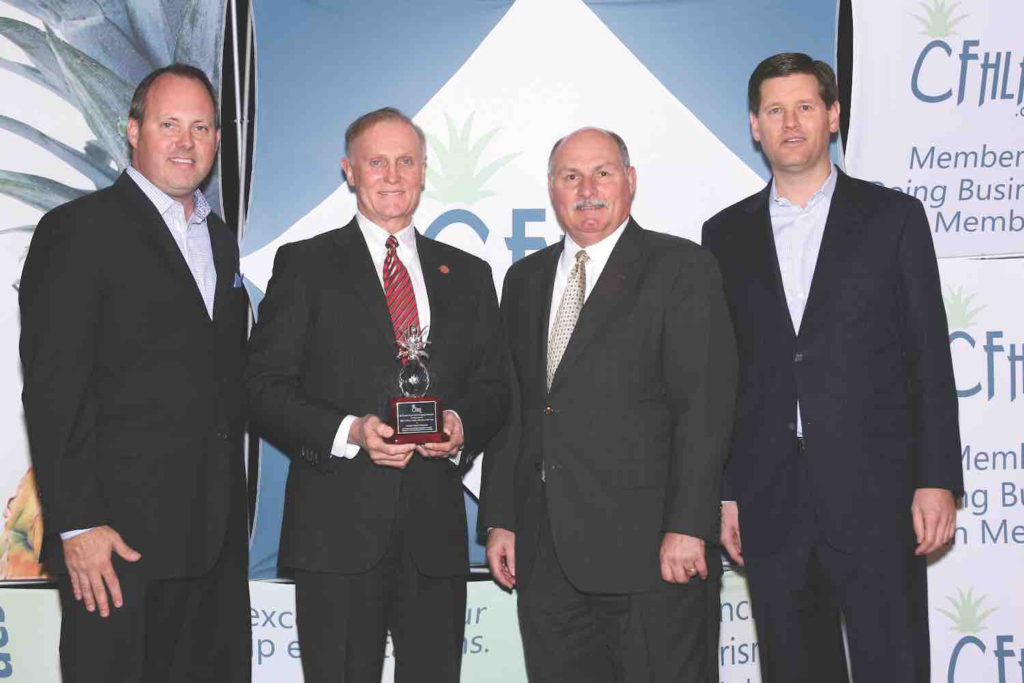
845 457
601 493
132 337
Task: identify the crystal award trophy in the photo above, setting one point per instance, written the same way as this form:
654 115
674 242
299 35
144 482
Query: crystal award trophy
415 417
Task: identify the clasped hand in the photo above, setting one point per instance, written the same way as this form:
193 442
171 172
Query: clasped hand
369 433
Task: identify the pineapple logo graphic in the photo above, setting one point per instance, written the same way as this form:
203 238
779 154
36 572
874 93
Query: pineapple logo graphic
967 614
458 180
938 20
959 313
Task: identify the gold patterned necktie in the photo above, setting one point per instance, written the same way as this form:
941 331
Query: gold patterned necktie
568 313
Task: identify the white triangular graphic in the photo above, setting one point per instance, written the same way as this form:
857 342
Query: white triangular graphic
547 68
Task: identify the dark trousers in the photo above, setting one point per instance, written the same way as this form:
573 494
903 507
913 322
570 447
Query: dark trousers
801 594
343 620
661 636
179 630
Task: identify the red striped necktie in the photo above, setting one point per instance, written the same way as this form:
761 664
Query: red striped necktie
398 289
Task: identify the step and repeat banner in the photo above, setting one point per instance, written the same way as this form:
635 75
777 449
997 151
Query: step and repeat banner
937 112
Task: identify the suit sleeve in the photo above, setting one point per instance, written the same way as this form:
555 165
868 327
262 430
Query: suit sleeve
59 296
277 404
701 374
930 365
482 406
497 489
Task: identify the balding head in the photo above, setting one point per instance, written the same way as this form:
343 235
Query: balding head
591 184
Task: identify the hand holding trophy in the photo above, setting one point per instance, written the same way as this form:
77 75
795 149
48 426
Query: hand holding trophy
415 417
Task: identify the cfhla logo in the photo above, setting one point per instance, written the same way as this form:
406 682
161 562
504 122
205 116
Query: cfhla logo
459 180
1000 357
998 75
6 666
968 615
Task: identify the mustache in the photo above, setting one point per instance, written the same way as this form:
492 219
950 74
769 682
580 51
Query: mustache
590 204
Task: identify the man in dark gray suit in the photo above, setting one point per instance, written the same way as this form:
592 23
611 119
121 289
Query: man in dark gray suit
601 494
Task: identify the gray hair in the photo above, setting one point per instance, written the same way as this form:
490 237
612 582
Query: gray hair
366 121
619 142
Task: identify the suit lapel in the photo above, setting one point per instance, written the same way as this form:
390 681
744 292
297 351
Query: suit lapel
762 243
356 266
156 232
600 307
842 233
222 260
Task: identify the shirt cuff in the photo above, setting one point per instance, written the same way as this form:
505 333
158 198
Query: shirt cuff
341 448
68 535
457 458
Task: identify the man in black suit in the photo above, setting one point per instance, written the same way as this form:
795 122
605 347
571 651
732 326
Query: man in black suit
133 332
601 494
375 532
845 454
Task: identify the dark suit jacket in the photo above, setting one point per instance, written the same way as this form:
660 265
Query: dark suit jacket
323 348
634 430
133 396
870 365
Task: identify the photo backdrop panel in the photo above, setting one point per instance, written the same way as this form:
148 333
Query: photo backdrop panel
975 591
937 111
492 650
493 98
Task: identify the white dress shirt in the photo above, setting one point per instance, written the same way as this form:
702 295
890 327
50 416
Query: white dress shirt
798 231
376 239
598 257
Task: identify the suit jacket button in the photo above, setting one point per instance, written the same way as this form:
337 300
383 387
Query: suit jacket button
548 410
537 466
791 426
798 357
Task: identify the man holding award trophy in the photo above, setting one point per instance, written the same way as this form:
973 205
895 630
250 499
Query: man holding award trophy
364 331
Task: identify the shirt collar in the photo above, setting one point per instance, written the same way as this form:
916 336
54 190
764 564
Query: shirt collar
163 202
376 237
598 252
823 193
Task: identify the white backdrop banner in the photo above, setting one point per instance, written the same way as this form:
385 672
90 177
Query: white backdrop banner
975 590
937 111
492 651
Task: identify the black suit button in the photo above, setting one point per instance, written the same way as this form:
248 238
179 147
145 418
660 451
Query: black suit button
791 426
537 466
798 357
548 410
222 435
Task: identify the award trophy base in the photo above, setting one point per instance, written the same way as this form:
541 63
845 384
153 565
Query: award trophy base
416 419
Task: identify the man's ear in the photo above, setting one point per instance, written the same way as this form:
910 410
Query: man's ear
346 168
133 132
833 117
